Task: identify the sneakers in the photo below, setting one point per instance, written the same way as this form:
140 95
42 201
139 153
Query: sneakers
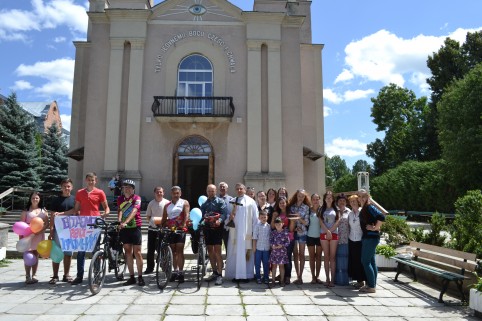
130 281
180 278
258 281
219 280
148 271
76 281
266 281
212 277
140 281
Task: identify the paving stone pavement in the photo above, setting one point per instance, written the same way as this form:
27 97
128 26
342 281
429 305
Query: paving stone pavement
229 302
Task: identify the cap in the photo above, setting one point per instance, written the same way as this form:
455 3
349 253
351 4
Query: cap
278 220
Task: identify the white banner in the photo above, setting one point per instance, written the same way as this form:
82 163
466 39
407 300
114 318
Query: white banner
74 234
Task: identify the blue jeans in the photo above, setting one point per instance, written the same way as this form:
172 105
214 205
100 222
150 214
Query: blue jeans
368 260
261 256
80 264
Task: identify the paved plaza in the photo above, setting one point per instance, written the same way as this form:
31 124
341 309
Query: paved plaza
229 302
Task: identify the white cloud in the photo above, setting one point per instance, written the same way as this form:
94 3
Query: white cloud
345 75
345 147
331 96
59 39
21 85
327 111
49 14
58 73
350 95
388 58
65 121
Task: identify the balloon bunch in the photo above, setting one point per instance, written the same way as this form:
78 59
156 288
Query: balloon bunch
27 231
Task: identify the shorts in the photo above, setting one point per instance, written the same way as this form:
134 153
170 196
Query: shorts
312 241
176 238
131 236
300 238
213 236
334 237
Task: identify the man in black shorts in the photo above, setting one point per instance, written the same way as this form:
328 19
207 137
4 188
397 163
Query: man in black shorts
214 212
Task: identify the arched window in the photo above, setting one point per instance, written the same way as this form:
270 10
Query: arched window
195 79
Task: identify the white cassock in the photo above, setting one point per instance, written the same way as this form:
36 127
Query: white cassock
240 241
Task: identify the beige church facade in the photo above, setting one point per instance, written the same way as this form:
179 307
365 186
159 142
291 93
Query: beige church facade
191 92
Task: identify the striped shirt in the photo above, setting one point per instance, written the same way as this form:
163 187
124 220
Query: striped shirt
261 233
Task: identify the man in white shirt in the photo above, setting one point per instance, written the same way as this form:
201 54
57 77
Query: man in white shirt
154 209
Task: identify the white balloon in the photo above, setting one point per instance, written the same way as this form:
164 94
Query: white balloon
24 244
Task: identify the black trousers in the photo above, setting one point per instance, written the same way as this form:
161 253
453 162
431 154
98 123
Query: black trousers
152 243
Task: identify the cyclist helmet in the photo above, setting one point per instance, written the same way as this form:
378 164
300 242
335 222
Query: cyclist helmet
129 182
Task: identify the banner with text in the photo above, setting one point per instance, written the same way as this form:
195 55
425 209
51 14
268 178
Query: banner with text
74 234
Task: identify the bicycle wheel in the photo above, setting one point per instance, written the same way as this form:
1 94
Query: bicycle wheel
164 267
201 265
120 265
97 272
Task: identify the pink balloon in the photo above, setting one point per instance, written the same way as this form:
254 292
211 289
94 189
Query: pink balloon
29 259
22 228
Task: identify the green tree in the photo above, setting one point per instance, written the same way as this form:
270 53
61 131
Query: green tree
466 229
346 183
338 167
413 185
460 130
360 166
19 160
399 113
54 161
329 176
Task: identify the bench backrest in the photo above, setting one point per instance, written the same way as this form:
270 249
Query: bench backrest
454 258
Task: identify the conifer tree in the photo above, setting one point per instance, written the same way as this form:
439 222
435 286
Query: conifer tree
54 161
19 155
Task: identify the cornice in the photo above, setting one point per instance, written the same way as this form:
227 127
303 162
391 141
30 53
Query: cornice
266 17
293 21
128 14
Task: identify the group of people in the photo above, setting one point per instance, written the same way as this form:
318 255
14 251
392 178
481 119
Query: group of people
267 231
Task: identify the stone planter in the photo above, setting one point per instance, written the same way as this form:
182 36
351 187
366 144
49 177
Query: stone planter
384 263
3 240
475 302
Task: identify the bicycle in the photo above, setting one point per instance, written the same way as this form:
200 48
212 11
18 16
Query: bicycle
202 259
112 251
164 258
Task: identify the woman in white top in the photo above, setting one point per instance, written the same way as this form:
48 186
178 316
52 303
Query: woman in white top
355 267
175 215
313 240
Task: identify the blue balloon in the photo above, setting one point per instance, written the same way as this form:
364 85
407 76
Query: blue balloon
56 253
202 199
195 215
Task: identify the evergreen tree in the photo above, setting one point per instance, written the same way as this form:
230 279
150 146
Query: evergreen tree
19 160
54 161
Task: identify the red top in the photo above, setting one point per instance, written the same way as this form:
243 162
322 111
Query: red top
90 201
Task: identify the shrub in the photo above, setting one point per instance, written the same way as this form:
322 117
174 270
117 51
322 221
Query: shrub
396 231
385 250
466 231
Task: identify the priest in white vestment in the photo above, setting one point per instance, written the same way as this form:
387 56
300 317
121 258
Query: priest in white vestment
240 256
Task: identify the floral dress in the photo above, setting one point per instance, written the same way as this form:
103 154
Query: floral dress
280 255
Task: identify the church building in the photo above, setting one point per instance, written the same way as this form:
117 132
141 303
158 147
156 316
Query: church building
191 92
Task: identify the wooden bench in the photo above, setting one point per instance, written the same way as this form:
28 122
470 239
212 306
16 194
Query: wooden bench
439 261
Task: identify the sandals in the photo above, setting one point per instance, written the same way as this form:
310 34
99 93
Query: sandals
298 282
67 278
313 281
319 281
30 280
54 280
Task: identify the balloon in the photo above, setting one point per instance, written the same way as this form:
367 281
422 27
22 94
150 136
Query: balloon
44 247
201 199
22 228
56 253
24 244
29 259
195 216
36 224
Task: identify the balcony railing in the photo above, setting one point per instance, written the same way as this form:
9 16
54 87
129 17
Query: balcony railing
170 106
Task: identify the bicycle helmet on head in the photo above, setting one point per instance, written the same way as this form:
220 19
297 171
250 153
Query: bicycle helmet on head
129 182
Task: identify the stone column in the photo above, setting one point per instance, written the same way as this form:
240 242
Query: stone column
133 124
254 107
275 119
112 122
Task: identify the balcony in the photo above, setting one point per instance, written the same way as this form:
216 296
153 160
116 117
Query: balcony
188 109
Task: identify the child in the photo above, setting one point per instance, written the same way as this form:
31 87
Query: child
261 245
32 211
279 241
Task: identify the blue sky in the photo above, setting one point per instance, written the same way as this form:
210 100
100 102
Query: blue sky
368 44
